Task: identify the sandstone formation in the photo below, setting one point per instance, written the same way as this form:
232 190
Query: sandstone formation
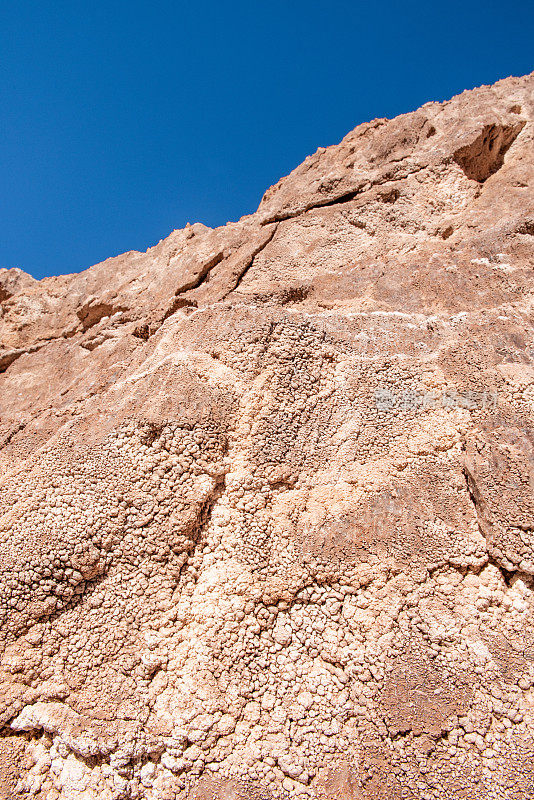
267 490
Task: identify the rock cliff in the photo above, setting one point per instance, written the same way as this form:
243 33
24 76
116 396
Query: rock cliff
267 490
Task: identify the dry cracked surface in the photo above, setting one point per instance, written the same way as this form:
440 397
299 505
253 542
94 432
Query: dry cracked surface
267 490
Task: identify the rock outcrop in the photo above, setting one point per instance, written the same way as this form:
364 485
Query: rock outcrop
267 490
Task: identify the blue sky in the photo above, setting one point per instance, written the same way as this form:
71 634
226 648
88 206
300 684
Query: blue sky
121 121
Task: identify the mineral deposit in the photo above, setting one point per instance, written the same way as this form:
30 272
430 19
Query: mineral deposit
267 490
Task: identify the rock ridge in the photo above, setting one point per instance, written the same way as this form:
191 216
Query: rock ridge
267 490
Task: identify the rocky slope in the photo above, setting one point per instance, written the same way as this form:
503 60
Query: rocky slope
267 491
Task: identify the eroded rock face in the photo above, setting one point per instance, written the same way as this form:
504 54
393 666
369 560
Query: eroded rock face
267 507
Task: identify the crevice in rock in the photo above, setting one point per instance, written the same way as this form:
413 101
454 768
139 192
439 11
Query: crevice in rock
390 195
507 574
249 263
471 489
346 197
203 520
143 332
7 358
148 329
399 735
12 433
485 155
91 312
177 303
203 274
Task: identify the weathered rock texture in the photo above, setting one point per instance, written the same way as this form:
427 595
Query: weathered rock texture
267 507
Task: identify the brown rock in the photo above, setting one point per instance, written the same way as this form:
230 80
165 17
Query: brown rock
267 507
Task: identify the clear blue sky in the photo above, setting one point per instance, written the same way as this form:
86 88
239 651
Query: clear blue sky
121 121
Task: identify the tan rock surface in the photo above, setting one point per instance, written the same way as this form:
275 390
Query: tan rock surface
267 491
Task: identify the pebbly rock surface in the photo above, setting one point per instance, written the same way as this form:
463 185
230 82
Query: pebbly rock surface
267 490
